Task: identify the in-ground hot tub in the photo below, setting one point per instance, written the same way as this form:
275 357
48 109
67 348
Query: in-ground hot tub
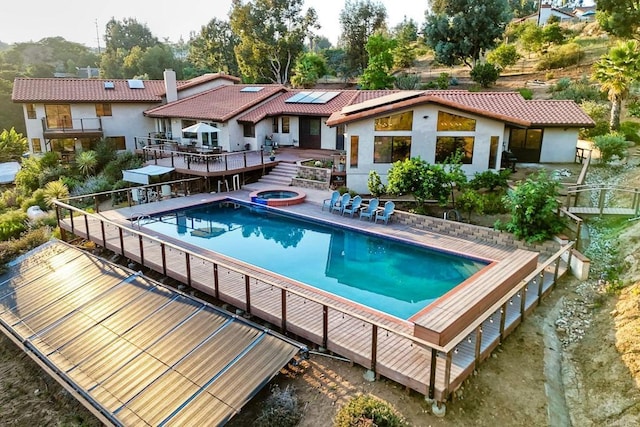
278 197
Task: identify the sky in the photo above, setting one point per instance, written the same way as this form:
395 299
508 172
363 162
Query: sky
76 21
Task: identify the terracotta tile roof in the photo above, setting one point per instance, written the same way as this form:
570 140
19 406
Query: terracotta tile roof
279 106
510 107
219 104
84 90
204 79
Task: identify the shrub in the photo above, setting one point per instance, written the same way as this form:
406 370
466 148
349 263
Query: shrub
443 80
280 409
563 56
37 199
526 93
366 410
505 55
485 74
631 131
407 81
490 180
578 91
533 205
12 224
375 185
610 146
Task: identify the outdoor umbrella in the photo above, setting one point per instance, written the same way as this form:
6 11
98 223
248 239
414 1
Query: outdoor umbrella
201 128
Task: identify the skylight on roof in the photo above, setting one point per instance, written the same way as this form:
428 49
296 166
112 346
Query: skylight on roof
251 89
135 84
312 97
109 85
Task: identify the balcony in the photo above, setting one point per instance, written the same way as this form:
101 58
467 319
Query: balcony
73 128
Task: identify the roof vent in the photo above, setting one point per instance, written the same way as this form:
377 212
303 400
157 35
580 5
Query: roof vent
251 89
135 84
109 85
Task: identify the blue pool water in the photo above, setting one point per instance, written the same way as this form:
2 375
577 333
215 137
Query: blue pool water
391 276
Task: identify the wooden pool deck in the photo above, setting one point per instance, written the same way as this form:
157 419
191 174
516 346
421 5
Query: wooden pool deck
382 343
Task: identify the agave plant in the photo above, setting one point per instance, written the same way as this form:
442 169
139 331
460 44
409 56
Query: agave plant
87 162
55 190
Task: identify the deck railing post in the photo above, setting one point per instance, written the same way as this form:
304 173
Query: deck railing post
141 244
247 292
96 204
63 232
432 373
540 284
104 235
523 300
374 347
163 252
172 164
188 267
216 285
447 376
121 240
73 231
503 318
478 347
283 309
86 226
244 155
325 326
226 162
601 200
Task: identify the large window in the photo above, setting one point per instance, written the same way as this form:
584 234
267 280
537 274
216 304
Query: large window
402 121
249 130
58 116
453 122
118 142
103 110
35 145
530 139
447 146
285 124
274 125
31 111
389 149
353 158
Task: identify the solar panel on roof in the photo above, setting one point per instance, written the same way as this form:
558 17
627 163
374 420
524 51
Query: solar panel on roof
135 84
252 89
294 99
311 97
109 85
326 97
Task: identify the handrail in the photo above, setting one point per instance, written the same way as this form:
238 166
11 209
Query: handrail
120 190
236 270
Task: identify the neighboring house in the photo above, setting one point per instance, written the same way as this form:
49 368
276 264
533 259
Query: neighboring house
545 11
64 115
435 124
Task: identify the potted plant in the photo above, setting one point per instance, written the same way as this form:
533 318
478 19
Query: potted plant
272 155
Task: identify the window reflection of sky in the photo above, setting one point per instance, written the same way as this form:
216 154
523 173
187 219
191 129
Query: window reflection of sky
390 276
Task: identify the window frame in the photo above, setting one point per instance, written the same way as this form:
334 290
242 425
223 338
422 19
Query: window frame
394 122
103 109
466 125
248 130
31 111
286 124
354 147
467 159
400 152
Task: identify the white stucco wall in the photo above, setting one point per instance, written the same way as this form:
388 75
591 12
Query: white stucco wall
423 143
559 145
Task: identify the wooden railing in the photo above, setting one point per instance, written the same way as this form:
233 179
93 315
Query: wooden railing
456 359
598 196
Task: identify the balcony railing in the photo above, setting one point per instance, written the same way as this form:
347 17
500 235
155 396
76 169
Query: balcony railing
85 125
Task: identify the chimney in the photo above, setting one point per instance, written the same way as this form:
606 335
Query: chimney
170 85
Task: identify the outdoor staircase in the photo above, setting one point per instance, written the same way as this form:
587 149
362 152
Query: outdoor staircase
281 175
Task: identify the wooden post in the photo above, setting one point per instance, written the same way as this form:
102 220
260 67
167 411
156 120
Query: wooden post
374 347
283 309
325 325
104 235
447 375
163 251
523 300
172 164
247 292
63 232
188 266
73 230
141 244
216 285
121 241
478 348
86 225
503 318
432 373
96 204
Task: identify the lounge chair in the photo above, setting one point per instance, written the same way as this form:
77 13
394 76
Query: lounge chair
370 210
386 212
353 207
342 203
329 203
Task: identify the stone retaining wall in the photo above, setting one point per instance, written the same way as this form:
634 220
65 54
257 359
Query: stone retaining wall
312 177
470 231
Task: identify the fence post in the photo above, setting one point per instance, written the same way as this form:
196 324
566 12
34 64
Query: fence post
86 226
432 372
283 309
247 292
374 347
601 200
104 235
216 286
325 326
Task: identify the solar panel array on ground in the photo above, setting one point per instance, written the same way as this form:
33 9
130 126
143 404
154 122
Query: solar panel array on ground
138 352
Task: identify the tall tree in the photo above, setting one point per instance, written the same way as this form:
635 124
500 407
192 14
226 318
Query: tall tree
376 75
620 17
213 48
359 20
128 33
521 8
466 29
308 70
616 71
271 36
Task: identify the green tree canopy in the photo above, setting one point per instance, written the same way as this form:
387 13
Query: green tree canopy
616 71
620 17
505 55
359 20
485 74
309 68
213 48
126 34
12 145
271 36
420 179
380 52
465 29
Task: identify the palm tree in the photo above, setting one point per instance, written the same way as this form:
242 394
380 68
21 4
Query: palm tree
616 71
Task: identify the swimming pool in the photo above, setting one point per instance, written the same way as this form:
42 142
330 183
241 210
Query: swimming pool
388 275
